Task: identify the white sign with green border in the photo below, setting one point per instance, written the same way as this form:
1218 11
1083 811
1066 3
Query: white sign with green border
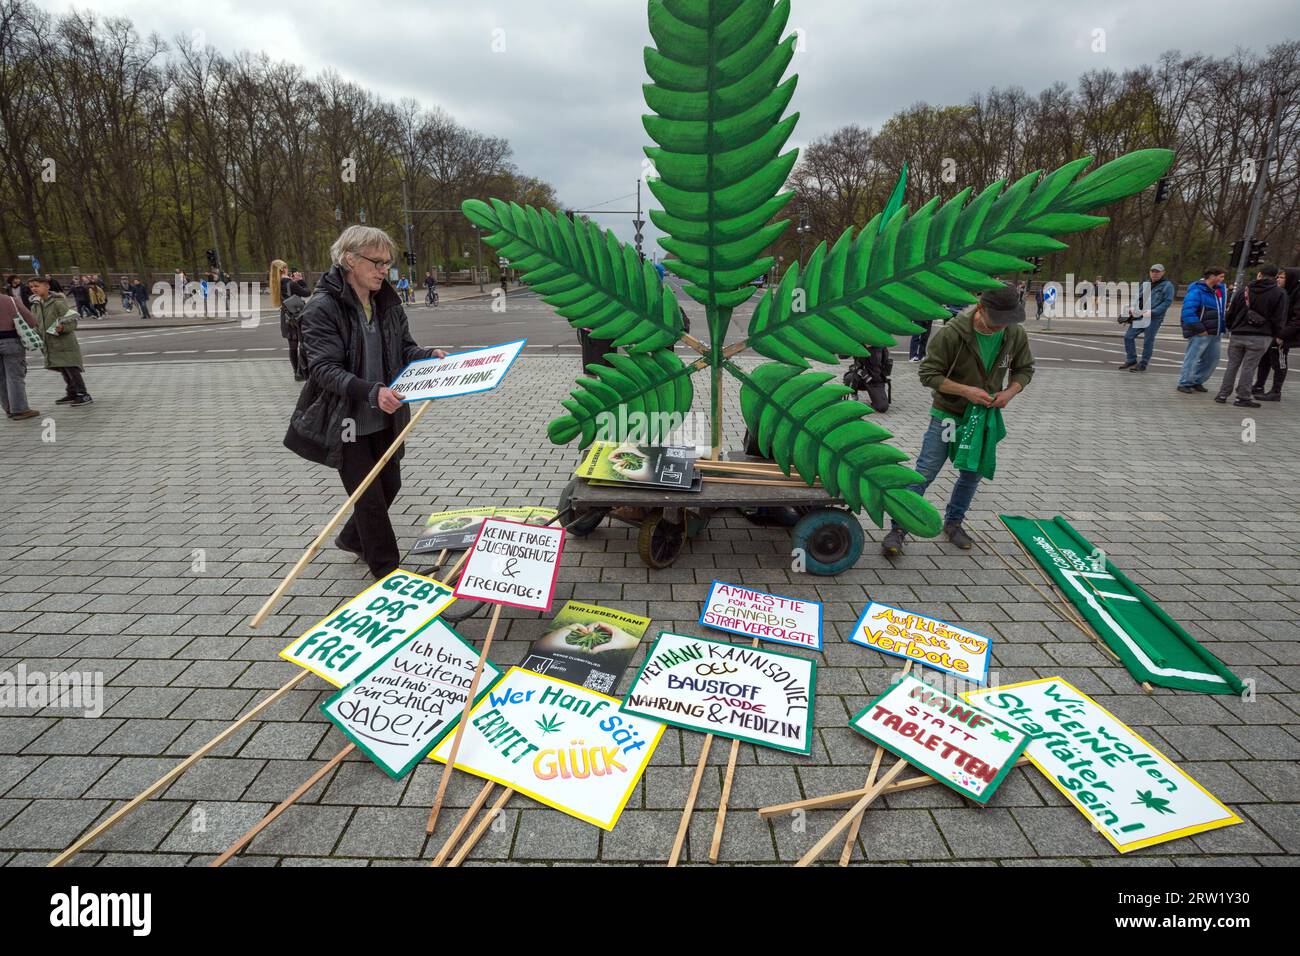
401 708
760 696
349 640
953 741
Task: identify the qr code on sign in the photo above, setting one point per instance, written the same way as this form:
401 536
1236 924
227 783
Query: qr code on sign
600 682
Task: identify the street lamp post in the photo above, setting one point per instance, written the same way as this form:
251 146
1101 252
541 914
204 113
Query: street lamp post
803 230
478 236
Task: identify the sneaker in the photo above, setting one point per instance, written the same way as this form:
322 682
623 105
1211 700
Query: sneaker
65 400
892 546
1127 365
958 536
30 413
1257 390
1138 368
1199 388
1187 389
1240 404
1221 399
83 400
915 358
1269 397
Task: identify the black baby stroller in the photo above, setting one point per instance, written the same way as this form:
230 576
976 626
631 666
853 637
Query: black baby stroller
870 373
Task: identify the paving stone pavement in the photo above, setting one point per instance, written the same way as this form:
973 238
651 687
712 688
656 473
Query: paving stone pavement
142 532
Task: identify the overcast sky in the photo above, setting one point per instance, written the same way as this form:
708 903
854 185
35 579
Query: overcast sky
566 89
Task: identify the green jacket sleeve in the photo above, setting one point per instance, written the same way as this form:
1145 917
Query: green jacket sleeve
1022 361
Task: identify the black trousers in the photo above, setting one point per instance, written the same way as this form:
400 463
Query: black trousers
1275 360
295 351
369 529
76 385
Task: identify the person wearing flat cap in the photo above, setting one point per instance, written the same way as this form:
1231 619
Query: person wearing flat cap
968 362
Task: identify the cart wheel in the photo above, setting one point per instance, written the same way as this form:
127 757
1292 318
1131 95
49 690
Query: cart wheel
831 540
581 522
660 541
461 610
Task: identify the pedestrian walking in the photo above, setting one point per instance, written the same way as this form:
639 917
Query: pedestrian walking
1203 323
56 322
356 338
81 297
1277 357
916 347
1255 320
99 295
141 296
290 293
1155 296
967 364
13 357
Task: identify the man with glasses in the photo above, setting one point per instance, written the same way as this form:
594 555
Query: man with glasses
355 339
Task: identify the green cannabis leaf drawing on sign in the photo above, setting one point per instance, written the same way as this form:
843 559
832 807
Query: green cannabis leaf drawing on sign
718 97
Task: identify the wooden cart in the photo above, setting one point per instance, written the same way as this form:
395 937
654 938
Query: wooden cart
828 533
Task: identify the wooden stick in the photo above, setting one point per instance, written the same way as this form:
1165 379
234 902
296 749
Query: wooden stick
437 564
450 766
695 343
756 481
866 801
760 466
690 801
1063 608
479 830
465 821
338 516
852 837
848 796
716 845
175 772
288 802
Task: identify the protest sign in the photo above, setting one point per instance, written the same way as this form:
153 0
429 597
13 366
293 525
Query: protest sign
768 617
351 639
400 709
451 530
663 467
513 564
1128 790
464 373
948 738
587 644
561 744
926 640
763 697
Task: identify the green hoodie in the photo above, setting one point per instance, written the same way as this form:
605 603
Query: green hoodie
953 353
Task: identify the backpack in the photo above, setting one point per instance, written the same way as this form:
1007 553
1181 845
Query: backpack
1252 319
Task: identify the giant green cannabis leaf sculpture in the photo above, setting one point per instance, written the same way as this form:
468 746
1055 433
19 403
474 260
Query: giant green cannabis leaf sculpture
718 97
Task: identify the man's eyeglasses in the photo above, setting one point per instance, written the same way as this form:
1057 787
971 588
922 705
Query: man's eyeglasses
383 265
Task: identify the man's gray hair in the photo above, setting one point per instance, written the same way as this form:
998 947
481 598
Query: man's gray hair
358 239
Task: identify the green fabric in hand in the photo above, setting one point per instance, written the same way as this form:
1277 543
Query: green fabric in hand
978 434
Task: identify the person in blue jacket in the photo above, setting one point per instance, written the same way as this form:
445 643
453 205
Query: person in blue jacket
1155 296
1203 325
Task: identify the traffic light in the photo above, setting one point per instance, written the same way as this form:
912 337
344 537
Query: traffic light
212 258
410 258
1164 186
1037 261
1258 250
1234 257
